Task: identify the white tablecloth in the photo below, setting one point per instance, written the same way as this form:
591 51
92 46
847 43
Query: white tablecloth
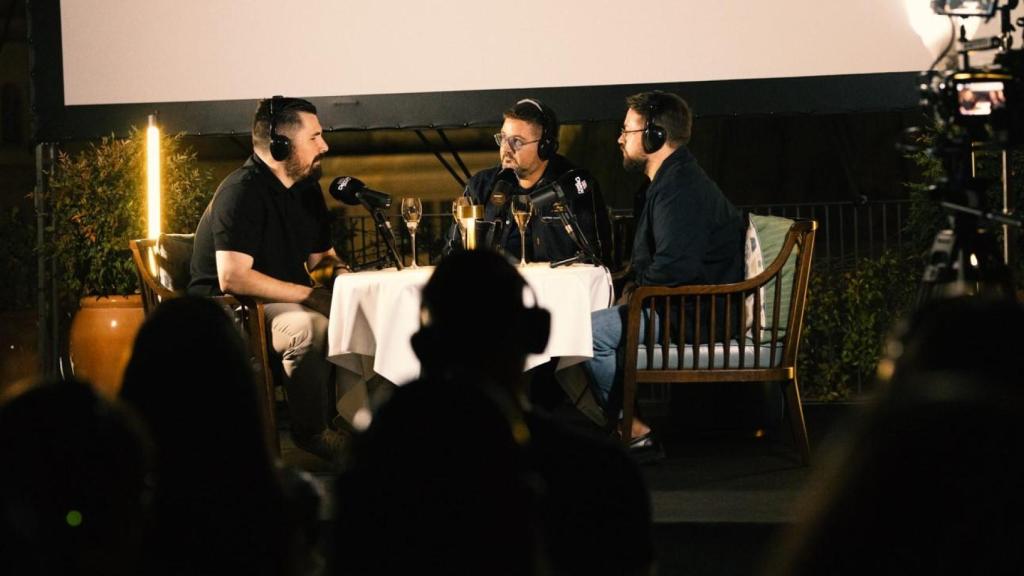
373 315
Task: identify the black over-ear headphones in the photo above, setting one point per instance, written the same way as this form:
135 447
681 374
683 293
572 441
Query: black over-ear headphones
280 145
530 328
548 143
653 137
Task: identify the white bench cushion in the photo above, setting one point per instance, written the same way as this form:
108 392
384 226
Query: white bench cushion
702 360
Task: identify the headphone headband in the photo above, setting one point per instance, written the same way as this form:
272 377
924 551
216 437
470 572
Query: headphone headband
548 144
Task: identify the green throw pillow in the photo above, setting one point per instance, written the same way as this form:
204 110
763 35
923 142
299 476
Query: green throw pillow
771 233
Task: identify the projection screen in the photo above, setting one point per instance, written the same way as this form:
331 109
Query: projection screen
102 65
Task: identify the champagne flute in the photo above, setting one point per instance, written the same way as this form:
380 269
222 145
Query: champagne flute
460 202
521 210
412 212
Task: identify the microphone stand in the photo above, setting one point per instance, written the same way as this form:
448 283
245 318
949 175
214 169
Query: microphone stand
584 252
384 229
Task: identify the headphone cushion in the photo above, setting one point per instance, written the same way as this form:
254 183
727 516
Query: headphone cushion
546 147
653 138
280 147
534 327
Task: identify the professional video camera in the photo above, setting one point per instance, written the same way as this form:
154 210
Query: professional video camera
974 108
979 106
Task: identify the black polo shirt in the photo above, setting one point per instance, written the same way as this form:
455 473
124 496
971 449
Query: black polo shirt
253 213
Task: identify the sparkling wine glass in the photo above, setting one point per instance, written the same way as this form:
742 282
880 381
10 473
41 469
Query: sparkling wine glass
521 210
460 202
412 212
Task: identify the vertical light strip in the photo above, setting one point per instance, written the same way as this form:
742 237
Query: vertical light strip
153 177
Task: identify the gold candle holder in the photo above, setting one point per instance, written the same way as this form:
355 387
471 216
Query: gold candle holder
468 215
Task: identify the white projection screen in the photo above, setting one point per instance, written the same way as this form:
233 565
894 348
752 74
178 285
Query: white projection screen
101 65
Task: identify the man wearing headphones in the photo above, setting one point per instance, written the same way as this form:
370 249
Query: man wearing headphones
528 146
265 226
458 470
687 231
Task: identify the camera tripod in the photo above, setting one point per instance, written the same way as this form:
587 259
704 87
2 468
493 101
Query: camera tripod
965 259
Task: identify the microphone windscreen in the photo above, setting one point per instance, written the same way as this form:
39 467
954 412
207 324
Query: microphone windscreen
344 189
546 195
504 186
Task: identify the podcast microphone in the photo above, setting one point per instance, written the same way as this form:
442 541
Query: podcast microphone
504 185
571 188
570 191
352 191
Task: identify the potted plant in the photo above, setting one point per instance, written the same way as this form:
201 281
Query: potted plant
99 204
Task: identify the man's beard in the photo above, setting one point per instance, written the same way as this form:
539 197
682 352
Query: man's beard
298 173
511 164
634 165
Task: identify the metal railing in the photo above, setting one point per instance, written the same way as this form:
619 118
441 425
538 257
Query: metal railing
846 230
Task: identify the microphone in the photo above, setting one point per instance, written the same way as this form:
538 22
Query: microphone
571 190
352 191
504 185
572 187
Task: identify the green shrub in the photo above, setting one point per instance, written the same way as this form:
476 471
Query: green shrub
850 310
99 203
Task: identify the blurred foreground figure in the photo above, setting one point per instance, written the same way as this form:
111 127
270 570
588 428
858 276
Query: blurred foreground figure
456 476
72 488
929 483
219 503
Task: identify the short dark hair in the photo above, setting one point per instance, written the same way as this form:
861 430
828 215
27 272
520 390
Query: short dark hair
537 113
286 116
670 112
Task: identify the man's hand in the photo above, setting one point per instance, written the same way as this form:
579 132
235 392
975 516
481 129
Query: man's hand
319 300
325 271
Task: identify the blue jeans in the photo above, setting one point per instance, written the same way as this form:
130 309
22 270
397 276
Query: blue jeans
605 369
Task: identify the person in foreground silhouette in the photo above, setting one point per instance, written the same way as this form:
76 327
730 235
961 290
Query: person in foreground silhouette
929 480
219 504
72 490
456 475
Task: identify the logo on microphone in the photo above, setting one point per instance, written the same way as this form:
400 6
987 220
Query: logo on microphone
581 186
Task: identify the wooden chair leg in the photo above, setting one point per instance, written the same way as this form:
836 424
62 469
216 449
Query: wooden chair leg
257 328
796 419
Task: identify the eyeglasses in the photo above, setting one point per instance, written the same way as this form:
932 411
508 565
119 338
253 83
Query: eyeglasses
515 142
623 132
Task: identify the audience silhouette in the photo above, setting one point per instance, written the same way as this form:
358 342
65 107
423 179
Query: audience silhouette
927 482
456 475
72 493
219 504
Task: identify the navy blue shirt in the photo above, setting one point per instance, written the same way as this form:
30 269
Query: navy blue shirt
253 213
546 238
687 232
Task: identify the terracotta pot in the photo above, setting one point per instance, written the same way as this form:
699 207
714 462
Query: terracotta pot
102 334
19 359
